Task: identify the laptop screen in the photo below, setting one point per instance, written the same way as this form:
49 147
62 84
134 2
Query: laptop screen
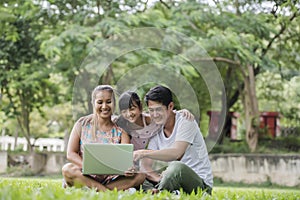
107 158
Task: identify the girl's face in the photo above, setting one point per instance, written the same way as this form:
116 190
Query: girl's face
104 105
132 114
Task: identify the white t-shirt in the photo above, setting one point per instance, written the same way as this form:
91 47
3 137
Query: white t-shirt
195 156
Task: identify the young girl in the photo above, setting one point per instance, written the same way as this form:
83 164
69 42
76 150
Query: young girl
100 129
137 123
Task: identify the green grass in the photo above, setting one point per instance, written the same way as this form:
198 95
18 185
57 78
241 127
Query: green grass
41 189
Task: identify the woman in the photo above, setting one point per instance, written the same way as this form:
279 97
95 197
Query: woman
100 129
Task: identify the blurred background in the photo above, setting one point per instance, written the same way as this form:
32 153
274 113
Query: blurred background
254 44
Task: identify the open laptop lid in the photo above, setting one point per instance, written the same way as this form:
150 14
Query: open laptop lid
107 158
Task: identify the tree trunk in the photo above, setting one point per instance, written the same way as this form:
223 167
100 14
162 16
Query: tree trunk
26 134
24 121
223 128
225 107
108 77
3 132
66 138
16 136
251 109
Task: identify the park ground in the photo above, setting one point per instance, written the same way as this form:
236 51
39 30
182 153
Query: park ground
50 188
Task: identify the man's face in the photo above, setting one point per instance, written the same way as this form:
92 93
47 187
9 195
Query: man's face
158 112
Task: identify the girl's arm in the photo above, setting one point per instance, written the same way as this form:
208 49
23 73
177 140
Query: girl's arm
125 139
187 114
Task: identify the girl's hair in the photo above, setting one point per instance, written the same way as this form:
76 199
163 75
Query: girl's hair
129 99
96 90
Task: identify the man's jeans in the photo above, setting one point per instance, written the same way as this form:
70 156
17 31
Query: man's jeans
178 175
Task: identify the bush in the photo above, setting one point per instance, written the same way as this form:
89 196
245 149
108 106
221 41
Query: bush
229 146
289 144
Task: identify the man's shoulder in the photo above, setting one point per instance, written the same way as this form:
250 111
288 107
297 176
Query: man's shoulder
183 122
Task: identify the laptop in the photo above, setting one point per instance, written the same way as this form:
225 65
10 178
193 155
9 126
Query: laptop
107 158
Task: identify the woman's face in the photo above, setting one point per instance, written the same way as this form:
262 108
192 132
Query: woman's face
104 105
132 114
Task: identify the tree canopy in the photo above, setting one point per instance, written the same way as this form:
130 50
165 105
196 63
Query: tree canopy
46 46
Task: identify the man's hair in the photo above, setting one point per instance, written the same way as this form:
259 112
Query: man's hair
160 94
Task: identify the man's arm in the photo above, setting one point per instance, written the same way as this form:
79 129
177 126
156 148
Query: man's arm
170 154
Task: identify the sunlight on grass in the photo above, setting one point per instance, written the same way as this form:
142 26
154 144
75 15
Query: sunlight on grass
41 189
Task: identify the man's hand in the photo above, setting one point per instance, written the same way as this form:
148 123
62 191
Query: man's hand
138 154
87 119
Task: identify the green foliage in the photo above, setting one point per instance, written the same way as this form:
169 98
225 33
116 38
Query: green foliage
280 95
51 189
229 146
288 144
43 44
24 81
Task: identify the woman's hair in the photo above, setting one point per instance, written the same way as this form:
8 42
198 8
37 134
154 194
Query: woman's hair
160 94
96 90
129 99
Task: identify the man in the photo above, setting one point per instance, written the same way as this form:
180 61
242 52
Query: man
179 142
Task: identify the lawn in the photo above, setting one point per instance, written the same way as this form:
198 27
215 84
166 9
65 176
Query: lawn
41 189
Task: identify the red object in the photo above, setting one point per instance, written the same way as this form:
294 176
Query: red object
269 121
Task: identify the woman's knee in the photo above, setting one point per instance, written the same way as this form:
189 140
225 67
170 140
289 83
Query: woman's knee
68 170
140 178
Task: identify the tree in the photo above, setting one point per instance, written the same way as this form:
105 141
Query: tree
24 75
242 41
27 64
278 94
245 40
